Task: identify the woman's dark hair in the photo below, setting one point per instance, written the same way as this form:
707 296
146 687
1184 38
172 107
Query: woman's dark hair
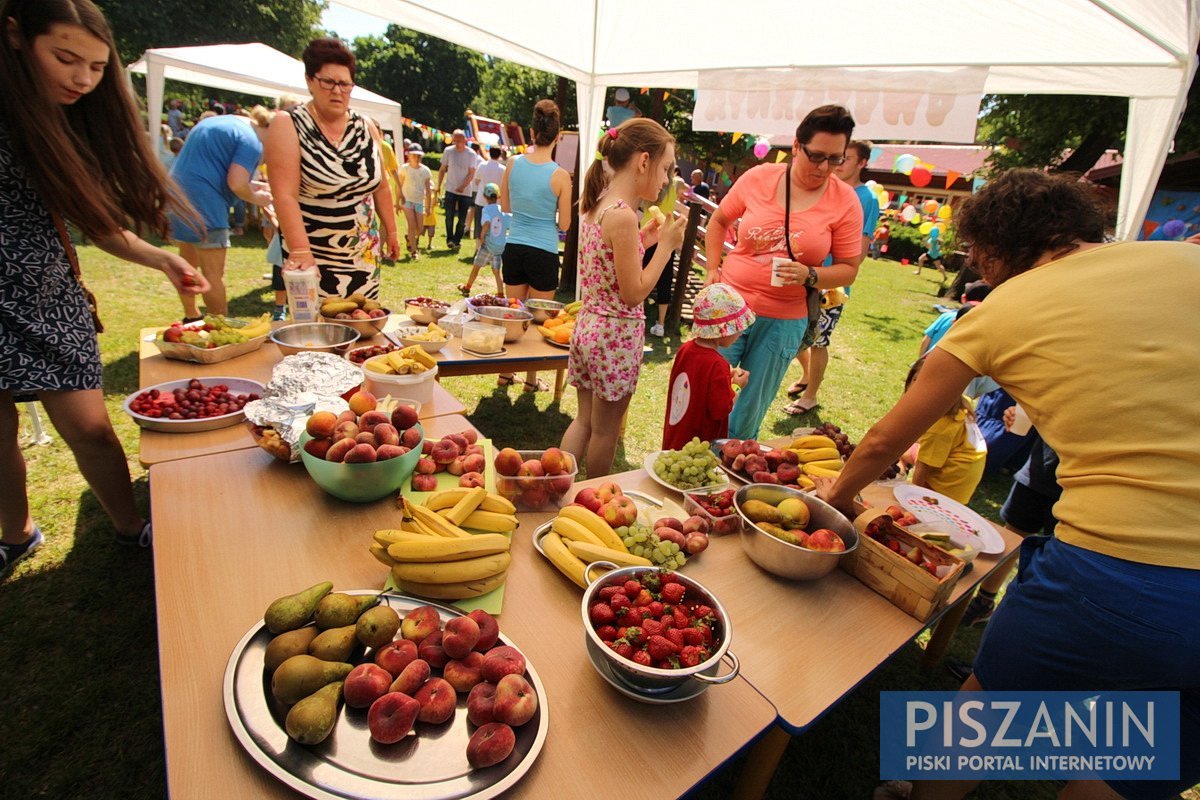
327 51
546 123
90 162
826 119
633 136
1021 216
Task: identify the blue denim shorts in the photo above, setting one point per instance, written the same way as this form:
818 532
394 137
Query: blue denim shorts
417 207
1077 620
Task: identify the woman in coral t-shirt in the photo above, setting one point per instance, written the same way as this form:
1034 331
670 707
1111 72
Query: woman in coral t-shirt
824 217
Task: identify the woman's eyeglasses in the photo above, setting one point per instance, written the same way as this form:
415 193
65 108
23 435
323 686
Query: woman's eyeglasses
328 84
821 158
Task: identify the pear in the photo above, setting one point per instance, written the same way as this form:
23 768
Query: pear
286 645
377 626
295 610
301 675
337 610
312 719
335 644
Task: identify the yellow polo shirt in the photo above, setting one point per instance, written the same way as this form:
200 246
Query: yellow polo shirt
955 451
1102 349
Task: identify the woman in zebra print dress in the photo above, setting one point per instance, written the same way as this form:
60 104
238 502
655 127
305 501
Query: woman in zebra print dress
326 176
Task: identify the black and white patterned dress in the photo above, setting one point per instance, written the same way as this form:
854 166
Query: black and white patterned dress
336 184
47 340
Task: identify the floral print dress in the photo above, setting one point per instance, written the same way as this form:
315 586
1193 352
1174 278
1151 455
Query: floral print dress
606 347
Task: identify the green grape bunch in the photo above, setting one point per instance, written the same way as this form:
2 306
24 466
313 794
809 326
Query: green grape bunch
689 468
641 541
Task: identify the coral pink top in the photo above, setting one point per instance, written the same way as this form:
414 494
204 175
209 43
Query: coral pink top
833 225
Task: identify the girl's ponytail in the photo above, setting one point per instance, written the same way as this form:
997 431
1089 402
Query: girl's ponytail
617 146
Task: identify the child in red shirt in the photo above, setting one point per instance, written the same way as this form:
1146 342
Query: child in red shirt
700 391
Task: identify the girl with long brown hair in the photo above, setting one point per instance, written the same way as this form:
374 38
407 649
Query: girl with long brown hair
71 148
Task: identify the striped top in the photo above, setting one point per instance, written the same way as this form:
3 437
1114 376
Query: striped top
336 184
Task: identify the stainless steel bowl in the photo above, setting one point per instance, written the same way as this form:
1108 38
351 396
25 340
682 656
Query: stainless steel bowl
543 310
366 327
314 337
423 315
648 680
789 560
514 321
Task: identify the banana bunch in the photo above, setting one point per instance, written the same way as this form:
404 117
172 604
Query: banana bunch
579 537
433 333
239 330
334 306
819 455
572 308
432 556
411 360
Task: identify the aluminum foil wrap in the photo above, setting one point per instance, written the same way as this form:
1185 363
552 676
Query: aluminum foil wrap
300 386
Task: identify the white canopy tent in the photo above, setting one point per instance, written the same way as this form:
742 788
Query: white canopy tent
246 68
1141 49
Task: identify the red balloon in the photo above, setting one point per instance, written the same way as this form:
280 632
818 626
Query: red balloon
920 176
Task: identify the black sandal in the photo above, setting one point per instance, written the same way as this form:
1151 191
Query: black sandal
796 389
143 538
538 385
505 380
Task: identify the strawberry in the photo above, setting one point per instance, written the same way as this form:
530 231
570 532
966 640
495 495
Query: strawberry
673 592
705 633
631 588
635 635
702 612
618 602
651 581
630 617
607 633
602 614
690 656
643 658
676 636
645 612
692 636
667 578
611 646
682 620
656 608
667 663
660 647
652 627
609 591
624 650
668 620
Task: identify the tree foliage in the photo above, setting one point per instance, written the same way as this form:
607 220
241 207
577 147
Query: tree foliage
433 80
508 92
286 25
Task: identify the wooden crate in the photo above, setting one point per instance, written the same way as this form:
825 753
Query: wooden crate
905 584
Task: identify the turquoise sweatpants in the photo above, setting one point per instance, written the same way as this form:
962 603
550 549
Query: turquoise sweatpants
764 349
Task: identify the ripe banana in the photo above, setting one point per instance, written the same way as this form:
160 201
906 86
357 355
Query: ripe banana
819 454
833 465
570 529
464 507
805 482
255 330
815 471
471 569
439 548
446 498
429 519
573 307
455 591
490 521
563 559
381 555
420 355
594 523
811 441
387 537
589 554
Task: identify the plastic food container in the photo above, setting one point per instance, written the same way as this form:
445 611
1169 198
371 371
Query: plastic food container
535 493
480 337
730 523
417 387
513 321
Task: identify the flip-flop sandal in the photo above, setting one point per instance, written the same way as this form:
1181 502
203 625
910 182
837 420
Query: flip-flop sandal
144 538
537 386
505 380
796 389
801 406
463 290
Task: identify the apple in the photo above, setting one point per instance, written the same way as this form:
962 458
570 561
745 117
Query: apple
555 461
426 466
480 703
321 424
437 699
607 491
412 677
794 511
388 451
338 450
369 420
444 451
530 473
489 629
404 417
391 717
618 511
464 673
419 623
459 636
490 744
362 401
410 437
365 684
474 462
361 454
501 661
346 430
471 480
397 655
386 433
432 651
825 539
695 523
367 438
318 448
697 542
516 702
508 461
588 498
669 522
424 483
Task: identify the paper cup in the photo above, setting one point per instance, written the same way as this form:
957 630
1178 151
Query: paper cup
1021 422
776 263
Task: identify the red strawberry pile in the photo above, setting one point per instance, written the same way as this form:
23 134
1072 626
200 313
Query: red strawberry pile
651 622
718 505
197 401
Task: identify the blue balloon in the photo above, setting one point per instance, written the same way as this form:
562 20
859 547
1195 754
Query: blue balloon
1173 228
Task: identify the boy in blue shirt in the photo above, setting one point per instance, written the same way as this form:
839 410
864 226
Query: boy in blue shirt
490 245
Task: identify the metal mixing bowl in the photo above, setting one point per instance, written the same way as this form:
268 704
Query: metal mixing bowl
366 327
543 310
514 321
790 560
314 337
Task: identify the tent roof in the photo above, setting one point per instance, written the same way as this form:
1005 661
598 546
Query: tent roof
252 69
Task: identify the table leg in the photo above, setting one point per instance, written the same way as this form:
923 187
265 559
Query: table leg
943 632
760 764
560 383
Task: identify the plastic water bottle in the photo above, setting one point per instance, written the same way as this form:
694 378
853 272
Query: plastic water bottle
301 285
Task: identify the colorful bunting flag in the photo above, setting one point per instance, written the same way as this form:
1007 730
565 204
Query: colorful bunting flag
951 177
736 136
780 156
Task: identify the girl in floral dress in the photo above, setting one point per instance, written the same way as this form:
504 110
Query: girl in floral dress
634 161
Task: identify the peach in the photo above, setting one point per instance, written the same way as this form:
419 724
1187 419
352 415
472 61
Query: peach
530 473
619 511
473 450
444 451
464 673
791 457
397 655
588 498
607 491
471 435
669 522
730 451
534 499
432 651
358 313
671 535
750 447
387 451
369 420
471 480
763 476
480 703
391 717
787 473
516 702
339 449
560 485
386 433
490 744
501 661
438 699
412 677
489 629
456 467
774 458
317 448
404 416
695 523
508 461
419 623
697 542
348 416
424 483
365 684
411 437
459 440
321 424
739 461
426 466
376 313
362 401
755 462
361 454
346 430
459 636
554 461
367 438
426 446
473 462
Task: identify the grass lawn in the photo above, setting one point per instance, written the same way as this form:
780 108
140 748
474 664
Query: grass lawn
80 711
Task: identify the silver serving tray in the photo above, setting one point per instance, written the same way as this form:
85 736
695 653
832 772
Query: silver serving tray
716 446
432 765
236 386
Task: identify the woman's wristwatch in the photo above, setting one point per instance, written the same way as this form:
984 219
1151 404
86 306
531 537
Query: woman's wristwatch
811 280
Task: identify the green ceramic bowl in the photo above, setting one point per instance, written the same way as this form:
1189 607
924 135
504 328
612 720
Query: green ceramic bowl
361 483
